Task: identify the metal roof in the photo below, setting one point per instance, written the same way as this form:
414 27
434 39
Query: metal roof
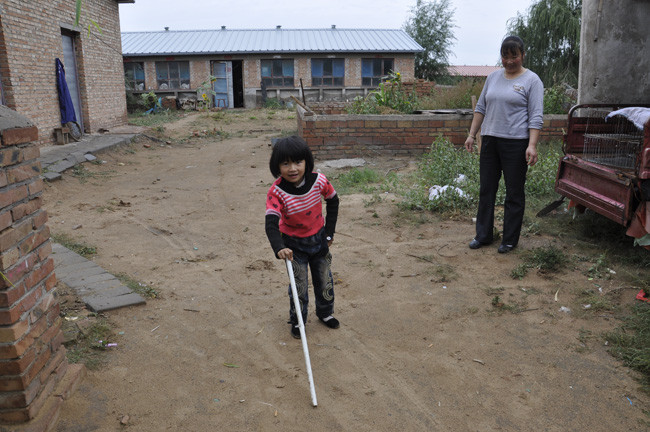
277 40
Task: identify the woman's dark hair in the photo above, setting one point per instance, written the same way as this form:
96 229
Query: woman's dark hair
292 149
512 45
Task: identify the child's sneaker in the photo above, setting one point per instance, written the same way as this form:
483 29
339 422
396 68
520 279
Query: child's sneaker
330 322
295 331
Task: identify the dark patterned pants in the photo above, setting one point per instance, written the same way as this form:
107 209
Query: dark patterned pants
311 253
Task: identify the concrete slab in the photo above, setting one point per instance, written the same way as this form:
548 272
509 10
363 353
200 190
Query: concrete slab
63 270
60 158
102 304
116 291
60 166
51 176
100 290
88 280
77 157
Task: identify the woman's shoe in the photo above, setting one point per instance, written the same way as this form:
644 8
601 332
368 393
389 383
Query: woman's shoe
505 248
475 244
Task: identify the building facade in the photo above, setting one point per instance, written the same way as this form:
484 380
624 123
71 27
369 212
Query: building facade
249 66
34 34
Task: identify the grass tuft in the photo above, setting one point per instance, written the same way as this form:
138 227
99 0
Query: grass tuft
631 342
68 242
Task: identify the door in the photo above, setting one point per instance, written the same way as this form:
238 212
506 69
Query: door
222 86
70 65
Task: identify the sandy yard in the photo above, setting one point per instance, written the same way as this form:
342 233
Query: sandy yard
420 348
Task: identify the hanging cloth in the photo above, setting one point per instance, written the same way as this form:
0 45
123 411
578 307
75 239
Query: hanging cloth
65 101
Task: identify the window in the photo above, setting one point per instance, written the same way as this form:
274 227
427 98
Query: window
134 76
277 73
373 70
173 75
327 72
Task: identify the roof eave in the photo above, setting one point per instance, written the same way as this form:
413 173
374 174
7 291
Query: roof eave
186 53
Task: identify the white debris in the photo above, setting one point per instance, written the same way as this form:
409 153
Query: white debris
436 192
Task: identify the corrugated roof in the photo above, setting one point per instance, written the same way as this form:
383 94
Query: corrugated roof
226 41
479 71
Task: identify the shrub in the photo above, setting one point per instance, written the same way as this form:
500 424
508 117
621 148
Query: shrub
556 100
389 96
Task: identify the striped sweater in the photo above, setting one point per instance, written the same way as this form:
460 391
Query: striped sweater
298 212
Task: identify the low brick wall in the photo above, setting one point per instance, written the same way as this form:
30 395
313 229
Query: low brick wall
336 136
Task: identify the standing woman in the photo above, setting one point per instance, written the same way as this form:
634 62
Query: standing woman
509 114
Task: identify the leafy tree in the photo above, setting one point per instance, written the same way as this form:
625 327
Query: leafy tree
551 33
431 25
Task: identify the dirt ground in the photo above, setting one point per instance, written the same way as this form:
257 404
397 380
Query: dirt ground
421 347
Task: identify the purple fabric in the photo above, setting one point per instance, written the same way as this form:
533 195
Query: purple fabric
65 101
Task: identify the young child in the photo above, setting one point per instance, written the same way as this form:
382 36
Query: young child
297 230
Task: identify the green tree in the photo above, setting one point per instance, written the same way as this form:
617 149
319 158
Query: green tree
551 33
431 25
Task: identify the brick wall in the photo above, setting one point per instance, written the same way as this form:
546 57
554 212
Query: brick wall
30 40
32 358
348 136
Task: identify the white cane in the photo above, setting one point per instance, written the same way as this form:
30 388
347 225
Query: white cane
301 327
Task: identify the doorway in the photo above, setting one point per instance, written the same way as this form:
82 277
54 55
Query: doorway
70 64
238 83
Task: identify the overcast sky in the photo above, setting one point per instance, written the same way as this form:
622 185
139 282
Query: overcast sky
480 24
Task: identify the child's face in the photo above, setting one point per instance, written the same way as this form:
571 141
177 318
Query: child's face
293 172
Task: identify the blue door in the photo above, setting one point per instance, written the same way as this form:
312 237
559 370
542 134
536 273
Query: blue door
222 86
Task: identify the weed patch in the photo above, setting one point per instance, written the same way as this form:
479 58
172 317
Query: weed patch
68 242
138 287
546 260
631 342
358 180
154 119
92 336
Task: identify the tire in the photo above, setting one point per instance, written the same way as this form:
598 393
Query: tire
75 130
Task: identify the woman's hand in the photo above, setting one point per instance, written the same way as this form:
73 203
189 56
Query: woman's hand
531 155
469 144
285 254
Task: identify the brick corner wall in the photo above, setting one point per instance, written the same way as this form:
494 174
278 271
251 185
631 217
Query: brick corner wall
32 357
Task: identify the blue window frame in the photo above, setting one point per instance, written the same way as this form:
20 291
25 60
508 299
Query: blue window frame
173 75
327 72
277 73
374 71
134 74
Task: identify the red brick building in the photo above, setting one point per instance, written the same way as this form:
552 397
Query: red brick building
35 33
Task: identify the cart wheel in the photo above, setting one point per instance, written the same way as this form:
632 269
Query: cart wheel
75 130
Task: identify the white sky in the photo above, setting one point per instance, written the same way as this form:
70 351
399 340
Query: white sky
480 24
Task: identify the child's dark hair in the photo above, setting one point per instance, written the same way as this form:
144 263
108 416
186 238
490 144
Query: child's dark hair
293 149
512 45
